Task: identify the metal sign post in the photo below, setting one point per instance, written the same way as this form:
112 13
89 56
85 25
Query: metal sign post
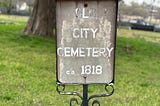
86 42
85 95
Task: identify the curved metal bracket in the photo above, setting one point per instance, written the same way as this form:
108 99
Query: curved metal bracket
61 90
95 102
109 88
109 92
73 100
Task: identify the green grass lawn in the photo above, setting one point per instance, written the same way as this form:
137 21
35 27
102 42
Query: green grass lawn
27 70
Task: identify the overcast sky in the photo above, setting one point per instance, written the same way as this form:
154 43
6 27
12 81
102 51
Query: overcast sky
141 1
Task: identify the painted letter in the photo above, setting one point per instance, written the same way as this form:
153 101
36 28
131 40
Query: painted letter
83 14
94 32
109 51
74 33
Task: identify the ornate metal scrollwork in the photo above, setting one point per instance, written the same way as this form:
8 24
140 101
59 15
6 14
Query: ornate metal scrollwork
108 88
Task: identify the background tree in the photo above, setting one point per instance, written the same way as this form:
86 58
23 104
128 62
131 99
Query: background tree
134 9
157 15
6 5
41 21
30 4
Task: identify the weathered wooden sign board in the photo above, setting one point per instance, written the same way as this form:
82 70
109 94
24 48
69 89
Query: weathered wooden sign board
85 41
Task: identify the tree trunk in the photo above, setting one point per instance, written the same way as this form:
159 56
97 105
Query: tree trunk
41 21
9 7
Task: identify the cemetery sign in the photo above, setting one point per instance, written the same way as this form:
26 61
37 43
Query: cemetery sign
86 32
